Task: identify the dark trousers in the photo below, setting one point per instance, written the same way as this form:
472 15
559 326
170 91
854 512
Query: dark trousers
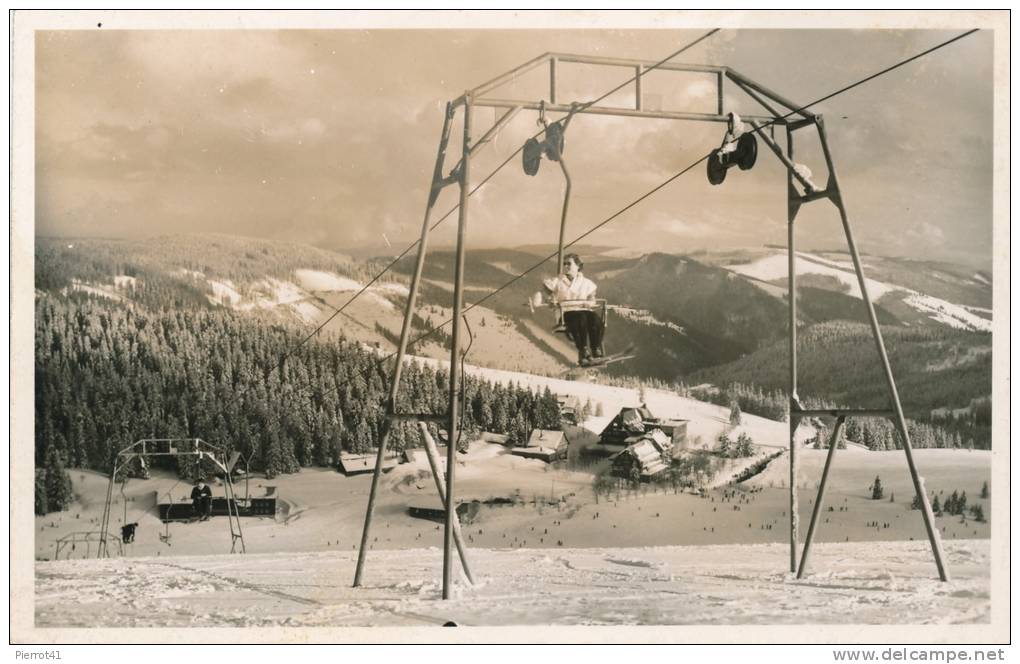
585 328
202 506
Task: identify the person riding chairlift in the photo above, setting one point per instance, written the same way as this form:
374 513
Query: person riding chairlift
575 295
201 500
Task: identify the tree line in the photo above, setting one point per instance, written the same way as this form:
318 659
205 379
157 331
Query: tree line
108 374
943 376
874 433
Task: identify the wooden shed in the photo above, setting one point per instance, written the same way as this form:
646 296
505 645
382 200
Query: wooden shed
355 464
644 456
543 444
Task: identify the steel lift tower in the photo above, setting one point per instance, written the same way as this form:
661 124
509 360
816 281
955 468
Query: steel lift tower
779 113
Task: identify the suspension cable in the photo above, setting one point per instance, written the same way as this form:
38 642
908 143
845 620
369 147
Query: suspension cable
644 196
588 104
577 108
674 176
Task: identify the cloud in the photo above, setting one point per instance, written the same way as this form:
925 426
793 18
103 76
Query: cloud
685 228
331 135
700 89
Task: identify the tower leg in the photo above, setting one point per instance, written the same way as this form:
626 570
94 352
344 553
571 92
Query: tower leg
233 516
437 474
455 377
876 332
794 421
405 332
821 496
103 550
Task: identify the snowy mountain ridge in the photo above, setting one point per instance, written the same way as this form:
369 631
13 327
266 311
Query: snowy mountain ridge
775 268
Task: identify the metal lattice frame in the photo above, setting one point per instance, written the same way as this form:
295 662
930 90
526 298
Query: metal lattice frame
781 112
155 447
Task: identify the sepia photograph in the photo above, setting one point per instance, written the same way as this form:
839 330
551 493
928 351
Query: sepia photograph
544 326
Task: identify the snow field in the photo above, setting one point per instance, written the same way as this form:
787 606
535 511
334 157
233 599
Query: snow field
857 583
773 268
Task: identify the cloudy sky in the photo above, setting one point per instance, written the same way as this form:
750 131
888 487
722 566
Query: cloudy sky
329 137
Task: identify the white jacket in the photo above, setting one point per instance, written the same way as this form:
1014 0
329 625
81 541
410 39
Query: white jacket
571 292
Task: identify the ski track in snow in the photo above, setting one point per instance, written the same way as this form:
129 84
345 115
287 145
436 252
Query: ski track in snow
772 268
848 583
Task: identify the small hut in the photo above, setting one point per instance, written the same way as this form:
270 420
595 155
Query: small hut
355 464
570 407
643 456
545 445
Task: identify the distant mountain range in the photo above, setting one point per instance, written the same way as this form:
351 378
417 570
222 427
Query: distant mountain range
711 316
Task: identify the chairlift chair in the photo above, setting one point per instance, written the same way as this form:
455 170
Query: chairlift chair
552 147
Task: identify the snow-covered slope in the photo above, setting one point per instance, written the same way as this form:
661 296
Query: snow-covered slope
882 583
775 268
299 297
94 289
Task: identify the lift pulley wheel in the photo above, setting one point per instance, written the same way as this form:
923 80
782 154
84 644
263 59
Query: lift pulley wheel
744 155
554 141
532 156
747 151
716 169
551 146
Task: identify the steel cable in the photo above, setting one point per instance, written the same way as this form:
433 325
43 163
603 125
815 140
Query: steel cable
488 177
673 177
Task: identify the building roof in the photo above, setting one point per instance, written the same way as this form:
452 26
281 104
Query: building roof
361 463
636 420
648 456
645 451
659 439
544 453
416 454
631 418
546 438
